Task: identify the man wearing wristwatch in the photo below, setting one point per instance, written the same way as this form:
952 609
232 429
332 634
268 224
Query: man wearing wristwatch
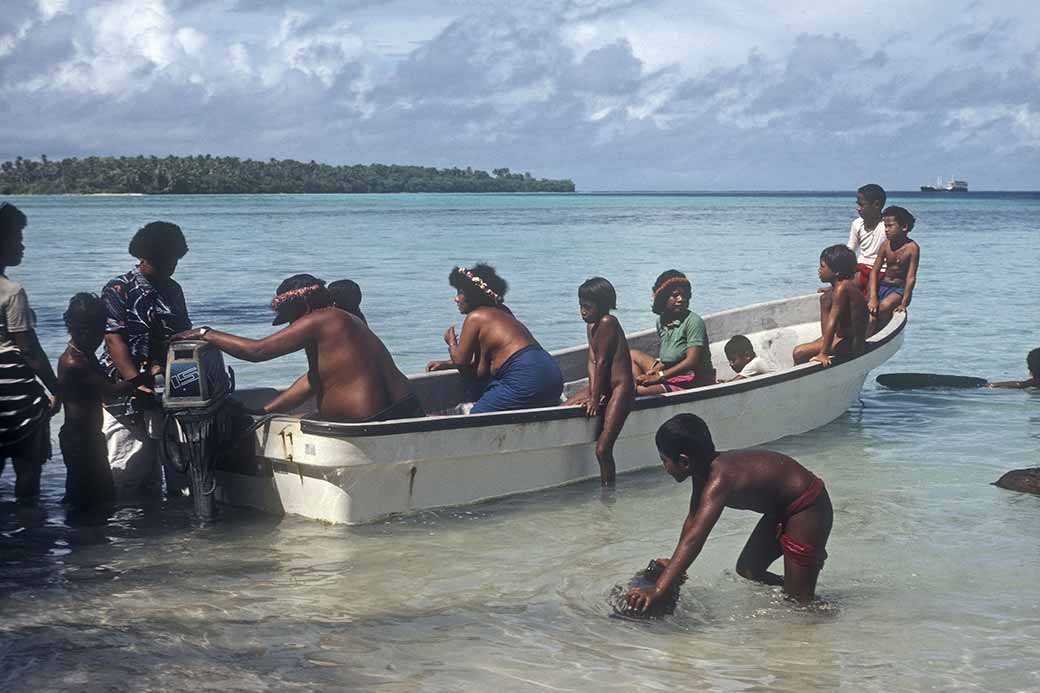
145 308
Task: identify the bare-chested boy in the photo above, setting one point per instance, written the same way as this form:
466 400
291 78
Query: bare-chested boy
611 385
843 311
88 477
900 256
796 510
351 374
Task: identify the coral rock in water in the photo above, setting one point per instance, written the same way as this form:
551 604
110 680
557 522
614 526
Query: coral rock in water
1024 480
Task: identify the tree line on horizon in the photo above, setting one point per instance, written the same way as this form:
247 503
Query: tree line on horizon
229 175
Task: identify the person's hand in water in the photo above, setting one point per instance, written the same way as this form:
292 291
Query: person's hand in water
641 599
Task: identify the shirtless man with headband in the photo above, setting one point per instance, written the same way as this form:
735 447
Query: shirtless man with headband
351 374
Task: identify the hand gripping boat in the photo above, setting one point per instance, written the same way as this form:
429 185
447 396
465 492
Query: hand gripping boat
357 473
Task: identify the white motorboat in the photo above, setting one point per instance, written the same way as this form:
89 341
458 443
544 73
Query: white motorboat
355 473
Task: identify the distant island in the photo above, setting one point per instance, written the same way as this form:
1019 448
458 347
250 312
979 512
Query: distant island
202 175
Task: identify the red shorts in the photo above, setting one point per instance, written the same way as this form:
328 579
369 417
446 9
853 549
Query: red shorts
805 555
863 277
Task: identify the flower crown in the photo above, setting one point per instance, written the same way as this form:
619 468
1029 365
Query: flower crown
289 295
668 282
480 284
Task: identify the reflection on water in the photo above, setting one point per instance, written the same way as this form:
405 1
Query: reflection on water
932 581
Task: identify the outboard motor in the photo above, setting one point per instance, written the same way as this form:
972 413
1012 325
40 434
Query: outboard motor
195 419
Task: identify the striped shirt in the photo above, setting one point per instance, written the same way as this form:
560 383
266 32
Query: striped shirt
23 402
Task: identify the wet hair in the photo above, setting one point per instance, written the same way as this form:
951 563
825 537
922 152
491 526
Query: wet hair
475 295
86 311
299 293
902 216
599 292
158 241
1033 362
12 219
686 434
873 193
661 299
840 259
346 295
739 345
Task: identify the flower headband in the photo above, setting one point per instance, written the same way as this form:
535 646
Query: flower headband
668 282
480 284
289 295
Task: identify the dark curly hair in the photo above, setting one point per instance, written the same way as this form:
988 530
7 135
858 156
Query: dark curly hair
686 434
475 296
661 299
346 295
901 215
840 260
85 311
159 241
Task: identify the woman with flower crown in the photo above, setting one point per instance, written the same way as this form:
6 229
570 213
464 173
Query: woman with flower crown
351 374
497 348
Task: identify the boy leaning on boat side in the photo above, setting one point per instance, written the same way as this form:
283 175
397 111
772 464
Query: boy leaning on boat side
843 311
796 511
611 385
900 256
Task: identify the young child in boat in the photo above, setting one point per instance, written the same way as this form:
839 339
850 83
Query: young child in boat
88 479
684 359
346 295
900 256
743 359
796 510
843 311
1033 364
867 232
611 386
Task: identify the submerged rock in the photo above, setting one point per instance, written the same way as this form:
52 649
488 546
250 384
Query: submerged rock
1023 480
645 579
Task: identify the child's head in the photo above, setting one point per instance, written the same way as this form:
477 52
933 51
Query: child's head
837 262
161 244
1033 362
478 286
898 222
685 446
596 298
870 200
739 352
672 292
85 321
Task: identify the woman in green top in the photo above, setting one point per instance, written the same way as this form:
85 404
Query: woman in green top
684 361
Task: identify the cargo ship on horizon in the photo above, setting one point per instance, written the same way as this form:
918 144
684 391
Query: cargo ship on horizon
953 185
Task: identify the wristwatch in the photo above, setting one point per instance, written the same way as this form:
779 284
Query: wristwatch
203 331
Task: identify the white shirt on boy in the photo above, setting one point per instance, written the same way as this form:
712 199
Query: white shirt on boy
866 242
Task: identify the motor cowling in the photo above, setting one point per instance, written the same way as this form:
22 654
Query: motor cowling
196 420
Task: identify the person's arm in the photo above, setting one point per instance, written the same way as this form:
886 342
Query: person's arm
1016 384
80 375
290 398
830 325
599 365
285 341
853 243
872 285
462 350
698 525
29 345
911 278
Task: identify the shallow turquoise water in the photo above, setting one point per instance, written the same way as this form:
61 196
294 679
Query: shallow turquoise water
933 577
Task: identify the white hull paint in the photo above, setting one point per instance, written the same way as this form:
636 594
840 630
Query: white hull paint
358 473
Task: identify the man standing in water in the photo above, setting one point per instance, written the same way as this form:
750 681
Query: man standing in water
351 374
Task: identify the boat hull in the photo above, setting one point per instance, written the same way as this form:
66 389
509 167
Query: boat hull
356 473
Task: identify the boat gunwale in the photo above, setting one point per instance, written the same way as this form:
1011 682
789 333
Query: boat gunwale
560 412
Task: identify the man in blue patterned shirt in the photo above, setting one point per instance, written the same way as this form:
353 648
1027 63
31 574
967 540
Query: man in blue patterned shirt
145 308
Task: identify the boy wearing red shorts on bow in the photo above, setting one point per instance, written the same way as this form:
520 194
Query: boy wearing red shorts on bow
867 233
796 510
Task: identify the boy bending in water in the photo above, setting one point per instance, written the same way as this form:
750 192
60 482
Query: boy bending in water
1033 363
612 388
796 510
843 311
900 256
88 477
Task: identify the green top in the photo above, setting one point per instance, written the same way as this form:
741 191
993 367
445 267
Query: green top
679 335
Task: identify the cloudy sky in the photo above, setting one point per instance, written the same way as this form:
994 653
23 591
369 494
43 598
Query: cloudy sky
616 94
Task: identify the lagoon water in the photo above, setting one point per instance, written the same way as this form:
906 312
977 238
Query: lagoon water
933 581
